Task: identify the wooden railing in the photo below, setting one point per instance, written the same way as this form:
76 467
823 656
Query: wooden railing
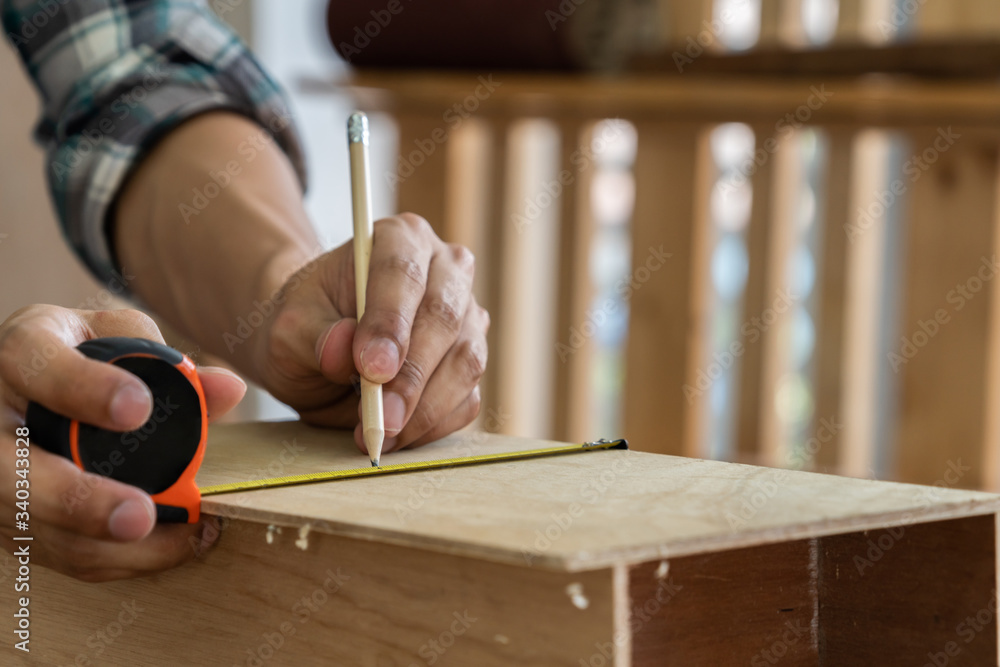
938 397
901 184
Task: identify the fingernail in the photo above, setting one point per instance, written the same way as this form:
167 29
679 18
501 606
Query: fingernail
132 520
380 360
394 410
321 343
132 405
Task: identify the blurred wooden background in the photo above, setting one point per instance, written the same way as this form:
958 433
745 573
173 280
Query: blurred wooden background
667 254
823 177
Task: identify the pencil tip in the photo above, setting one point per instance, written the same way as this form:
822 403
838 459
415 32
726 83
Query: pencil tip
375 463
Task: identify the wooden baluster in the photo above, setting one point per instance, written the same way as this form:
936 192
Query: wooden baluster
490 262
991 453
943 370
754 302
864 307
573 362
830 312
955 19
663 330
421 171
848 22
528 301
704 237
770 23
776 316
682 20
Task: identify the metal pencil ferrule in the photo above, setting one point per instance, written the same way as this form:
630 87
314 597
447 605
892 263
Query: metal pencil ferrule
357 128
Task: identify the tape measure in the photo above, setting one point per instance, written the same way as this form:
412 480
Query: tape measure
162 457
396 468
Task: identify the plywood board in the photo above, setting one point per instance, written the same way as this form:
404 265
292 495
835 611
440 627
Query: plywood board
338 602
570 513
741 607
910 595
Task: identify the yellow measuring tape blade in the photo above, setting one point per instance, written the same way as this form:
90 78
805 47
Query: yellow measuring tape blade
396 468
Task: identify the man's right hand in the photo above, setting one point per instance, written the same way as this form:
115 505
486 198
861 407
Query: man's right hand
84 525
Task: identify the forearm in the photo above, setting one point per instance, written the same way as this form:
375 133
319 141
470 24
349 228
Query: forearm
201 261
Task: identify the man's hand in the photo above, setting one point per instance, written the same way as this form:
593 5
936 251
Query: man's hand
241 277
423 336
85 525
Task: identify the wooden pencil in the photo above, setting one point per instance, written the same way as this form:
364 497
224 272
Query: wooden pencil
372 414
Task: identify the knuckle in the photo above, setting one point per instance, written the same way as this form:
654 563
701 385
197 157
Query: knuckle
416 223
405 268
447 310
24 328
13 337
425 417
463 257
472 356
410 381
141 321
475 404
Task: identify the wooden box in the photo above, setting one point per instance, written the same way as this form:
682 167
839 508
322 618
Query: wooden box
600 558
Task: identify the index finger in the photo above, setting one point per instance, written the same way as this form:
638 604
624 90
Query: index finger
38 362
397 280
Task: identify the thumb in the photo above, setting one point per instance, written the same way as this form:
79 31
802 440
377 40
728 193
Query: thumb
334 351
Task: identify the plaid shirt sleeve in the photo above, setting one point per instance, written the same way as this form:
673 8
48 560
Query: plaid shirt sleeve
114 77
